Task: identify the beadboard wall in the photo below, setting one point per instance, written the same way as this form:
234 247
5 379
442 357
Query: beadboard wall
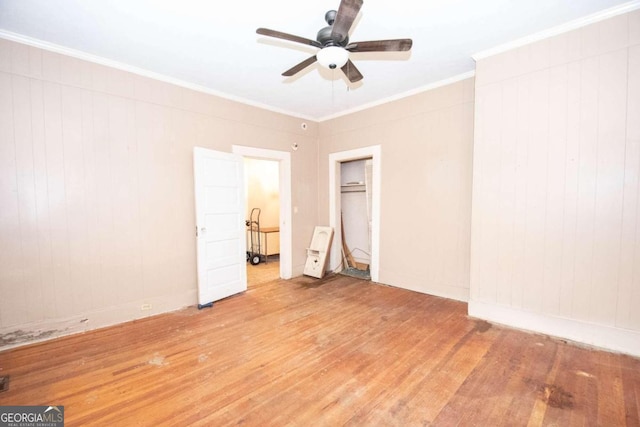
96 189
555 243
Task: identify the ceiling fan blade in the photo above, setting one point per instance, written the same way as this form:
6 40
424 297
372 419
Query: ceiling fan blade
398 45
301 66
347 13
285 36
352 73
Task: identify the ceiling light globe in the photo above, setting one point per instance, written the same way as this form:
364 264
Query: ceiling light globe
332 57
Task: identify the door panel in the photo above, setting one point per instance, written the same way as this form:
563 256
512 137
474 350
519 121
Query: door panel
221 254
221 251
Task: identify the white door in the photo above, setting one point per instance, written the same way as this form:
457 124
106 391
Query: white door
220 224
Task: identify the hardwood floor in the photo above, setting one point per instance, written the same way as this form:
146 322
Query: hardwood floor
340 351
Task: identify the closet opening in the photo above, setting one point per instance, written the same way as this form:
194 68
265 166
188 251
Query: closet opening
356 213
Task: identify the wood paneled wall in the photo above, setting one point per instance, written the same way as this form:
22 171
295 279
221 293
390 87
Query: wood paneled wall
427 145
96 189
556 190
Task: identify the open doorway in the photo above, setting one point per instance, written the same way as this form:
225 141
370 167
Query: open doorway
368 184
262 201
279 242
356 209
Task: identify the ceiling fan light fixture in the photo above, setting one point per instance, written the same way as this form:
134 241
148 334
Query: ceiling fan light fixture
332 57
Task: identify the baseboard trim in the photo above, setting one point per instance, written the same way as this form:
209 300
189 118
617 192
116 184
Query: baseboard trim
44 330
449 292
605 337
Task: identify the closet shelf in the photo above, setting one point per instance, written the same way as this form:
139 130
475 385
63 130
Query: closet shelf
352 188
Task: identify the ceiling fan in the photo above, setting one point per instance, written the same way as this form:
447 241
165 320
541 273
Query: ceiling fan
333 42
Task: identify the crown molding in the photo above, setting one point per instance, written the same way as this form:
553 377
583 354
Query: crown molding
560 29
52 47
406 94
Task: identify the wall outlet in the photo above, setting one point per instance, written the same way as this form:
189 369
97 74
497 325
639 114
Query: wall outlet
144 307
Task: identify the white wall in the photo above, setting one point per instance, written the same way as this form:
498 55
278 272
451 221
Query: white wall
556 189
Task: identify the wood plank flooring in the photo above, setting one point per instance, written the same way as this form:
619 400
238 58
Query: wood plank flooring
339 351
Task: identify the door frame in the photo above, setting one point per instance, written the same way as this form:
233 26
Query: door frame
373 152
284 160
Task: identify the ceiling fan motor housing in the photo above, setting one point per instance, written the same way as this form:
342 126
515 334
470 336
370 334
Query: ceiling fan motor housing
324 35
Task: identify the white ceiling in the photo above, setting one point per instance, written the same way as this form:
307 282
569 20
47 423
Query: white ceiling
213 45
